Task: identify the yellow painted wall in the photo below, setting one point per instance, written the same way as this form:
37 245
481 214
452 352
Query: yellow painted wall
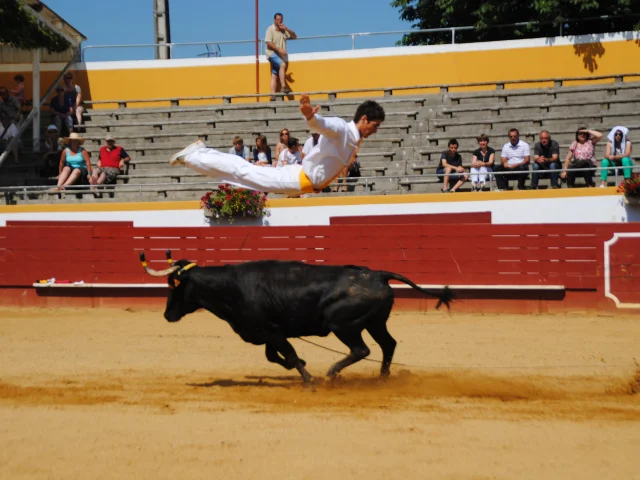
594 59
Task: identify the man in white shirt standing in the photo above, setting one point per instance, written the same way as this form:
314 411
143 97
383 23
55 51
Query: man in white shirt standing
337 148
311 142
515 157
276 41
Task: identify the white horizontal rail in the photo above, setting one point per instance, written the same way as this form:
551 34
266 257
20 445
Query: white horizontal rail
427 287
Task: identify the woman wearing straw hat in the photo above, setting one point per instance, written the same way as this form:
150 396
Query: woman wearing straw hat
75 165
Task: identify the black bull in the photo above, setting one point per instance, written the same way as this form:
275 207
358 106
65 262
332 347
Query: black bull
267 302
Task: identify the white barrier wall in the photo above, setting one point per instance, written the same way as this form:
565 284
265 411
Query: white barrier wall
565 206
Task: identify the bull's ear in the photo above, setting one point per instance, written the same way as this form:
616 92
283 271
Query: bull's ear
176 282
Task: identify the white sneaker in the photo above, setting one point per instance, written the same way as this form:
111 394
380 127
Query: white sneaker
178 158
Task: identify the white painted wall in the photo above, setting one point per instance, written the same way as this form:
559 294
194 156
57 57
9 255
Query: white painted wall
596 209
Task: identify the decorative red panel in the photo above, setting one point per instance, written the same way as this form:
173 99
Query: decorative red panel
424 218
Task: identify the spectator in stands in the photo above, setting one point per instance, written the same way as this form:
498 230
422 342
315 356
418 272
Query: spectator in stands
51 158
291 155
112 159
311 142
62 111
240 149
546 156
8 131
581 155
482 163
73 94
262 152
282 144
450 168
618 153
75 165
9 106
18 92
276 41
515 157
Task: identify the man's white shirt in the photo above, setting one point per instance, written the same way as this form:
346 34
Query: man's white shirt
338 143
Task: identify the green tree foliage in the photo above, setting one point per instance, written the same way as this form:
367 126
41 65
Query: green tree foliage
21 29
486 16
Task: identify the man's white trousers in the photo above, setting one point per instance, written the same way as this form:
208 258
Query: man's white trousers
227 168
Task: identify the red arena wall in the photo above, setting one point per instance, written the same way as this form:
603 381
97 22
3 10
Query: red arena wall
516 268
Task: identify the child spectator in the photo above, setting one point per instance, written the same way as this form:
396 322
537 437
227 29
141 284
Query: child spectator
239 149
450 168
262 152
481 163
291 155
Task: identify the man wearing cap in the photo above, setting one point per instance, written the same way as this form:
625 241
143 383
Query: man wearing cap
62 111
111 160
54 145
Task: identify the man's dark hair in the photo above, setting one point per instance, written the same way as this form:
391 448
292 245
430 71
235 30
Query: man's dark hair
453 141
371 109
18 78
293 142
274 17
514 130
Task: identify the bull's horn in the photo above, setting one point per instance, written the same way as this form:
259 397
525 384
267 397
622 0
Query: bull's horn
156 273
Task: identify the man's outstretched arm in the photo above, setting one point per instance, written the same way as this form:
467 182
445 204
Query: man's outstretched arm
329 127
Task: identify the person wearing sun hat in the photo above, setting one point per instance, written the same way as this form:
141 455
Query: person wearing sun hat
75 165
111 160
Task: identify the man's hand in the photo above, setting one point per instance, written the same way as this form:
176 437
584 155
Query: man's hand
306 108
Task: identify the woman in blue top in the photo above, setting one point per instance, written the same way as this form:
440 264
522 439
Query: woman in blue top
75 165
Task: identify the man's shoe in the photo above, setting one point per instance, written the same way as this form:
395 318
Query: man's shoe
178 158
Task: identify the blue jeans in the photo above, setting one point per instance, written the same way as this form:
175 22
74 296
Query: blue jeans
550 166
276 62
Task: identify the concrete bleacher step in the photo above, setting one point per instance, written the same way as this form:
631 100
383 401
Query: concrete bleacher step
335 108
535 111
534 96
595 121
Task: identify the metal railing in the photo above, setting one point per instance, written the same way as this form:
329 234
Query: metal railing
367 182
562 24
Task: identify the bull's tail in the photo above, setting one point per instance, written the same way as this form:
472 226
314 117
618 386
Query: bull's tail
445 296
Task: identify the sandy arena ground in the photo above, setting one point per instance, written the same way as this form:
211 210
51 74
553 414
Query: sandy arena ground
123 394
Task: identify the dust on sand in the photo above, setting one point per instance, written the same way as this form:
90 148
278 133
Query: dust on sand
114 393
